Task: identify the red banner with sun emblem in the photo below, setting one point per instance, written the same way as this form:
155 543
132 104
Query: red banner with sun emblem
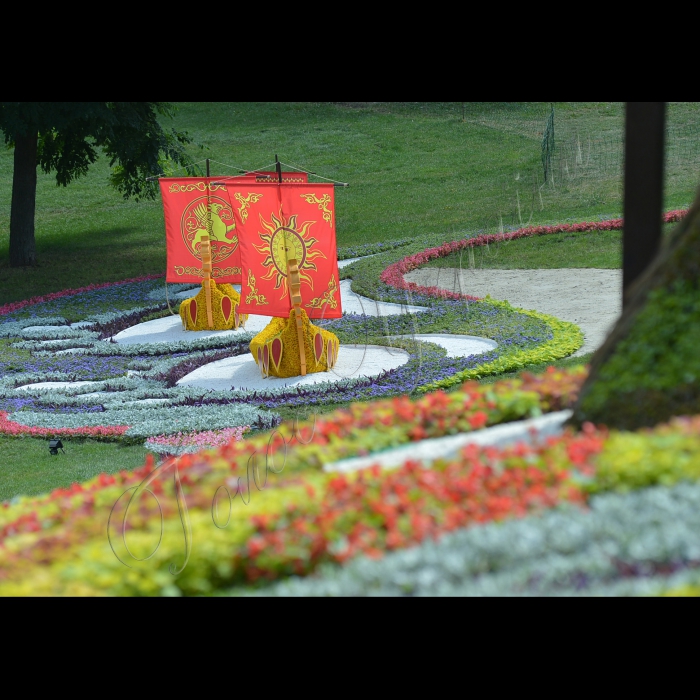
194 207
280 223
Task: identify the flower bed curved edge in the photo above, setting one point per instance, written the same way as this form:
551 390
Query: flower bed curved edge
566 339
393 275
6 309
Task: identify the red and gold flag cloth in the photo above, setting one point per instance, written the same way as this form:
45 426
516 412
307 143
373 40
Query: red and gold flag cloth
194 207
279 223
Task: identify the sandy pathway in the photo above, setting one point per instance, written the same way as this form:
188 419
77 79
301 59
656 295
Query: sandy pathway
590 298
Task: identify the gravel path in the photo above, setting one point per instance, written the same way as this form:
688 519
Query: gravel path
590 298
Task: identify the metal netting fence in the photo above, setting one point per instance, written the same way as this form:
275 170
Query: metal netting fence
590 153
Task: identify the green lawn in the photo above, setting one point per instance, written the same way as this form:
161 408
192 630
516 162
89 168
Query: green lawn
596 249
414 169
30 470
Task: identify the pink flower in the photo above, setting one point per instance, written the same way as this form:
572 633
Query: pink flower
205 439
8 427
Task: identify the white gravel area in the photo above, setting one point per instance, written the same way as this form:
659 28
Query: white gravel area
426 451
51 385
589 297
165 330
355 304
456 345
242 372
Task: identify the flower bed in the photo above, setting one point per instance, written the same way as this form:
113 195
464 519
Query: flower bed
364 249
419 528
291 527
97 432
641 543
393 274
154 368
523 338
57 301
299 520
184 443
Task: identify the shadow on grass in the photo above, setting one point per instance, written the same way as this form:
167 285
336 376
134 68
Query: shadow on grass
86 257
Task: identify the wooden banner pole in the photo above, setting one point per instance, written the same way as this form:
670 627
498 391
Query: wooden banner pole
206 258
205 249
295 291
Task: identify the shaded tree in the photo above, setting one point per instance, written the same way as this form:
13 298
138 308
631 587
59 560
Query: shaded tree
67 137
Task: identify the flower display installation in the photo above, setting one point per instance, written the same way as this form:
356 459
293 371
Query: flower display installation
300 520
136 385
599 512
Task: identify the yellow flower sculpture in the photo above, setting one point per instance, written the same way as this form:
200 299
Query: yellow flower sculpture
224 301
276 347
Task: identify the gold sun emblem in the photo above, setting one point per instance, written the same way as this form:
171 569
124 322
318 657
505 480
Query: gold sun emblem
285 240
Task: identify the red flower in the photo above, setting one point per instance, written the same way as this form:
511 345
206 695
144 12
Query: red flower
478 420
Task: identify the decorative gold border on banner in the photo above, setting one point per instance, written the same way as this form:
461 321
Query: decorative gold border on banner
328 297
254 295
199 186
322 204
252 198
198 272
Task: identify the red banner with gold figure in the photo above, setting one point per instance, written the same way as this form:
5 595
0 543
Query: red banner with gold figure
280 223
194 207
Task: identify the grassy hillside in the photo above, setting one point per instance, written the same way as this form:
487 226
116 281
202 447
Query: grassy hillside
413 169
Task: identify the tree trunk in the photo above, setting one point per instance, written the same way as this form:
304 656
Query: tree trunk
22 246
655 368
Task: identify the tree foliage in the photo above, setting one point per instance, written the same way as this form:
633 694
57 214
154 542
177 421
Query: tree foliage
67 137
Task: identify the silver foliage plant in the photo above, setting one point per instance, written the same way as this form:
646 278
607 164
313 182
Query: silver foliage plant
638 543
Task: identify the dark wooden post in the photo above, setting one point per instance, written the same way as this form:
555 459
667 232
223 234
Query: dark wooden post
643 188
208 167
